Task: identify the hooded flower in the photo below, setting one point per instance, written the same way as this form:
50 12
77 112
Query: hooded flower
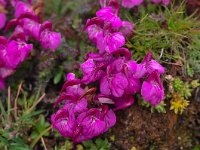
95 32
50 40
152 89
31 27
123 102
128 68
111 42
72 96
147 66
91 71
107 14
93 123
126 28
113 84
64 121
5 72
15 53
22 8
106 30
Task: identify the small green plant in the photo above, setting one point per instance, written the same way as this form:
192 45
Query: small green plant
195 84
160 108
182 91
98 144
68 145
194 53
184 88
178 103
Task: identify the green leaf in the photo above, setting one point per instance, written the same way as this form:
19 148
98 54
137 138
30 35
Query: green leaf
58 77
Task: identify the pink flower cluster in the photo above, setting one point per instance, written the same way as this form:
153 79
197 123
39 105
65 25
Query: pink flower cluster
132 3
116 78
75 119
15 49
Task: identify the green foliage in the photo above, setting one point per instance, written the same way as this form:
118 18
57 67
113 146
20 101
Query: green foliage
160 108
183 88
195 84
17 143
63 7
178 85
98 144
18 118
194 53
182 91
59 73
40 125
67 146
196 147
167 32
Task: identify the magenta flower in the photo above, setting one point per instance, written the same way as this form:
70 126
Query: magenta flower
113 84
76 105
111 42
128 68
5 72
50 40
3 20
123 102
95 32
3 42
106 30
152 89
103 36
108 15
131 3
102 59
72 96
126 28
70 76
87 125
91 71
31 27
148 66
22 8
15 53
64 121
3 2
93 123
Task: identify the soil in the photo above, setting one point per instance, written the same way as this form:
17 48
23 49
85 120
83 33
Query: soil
138 127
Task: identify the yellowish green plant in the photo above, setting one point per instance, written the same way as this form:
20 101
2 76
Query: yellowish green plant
160 108
178 103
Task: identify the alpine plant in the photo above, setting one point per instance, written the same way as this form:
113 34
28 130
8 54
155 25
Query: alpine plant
133 3
110 80
16 48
